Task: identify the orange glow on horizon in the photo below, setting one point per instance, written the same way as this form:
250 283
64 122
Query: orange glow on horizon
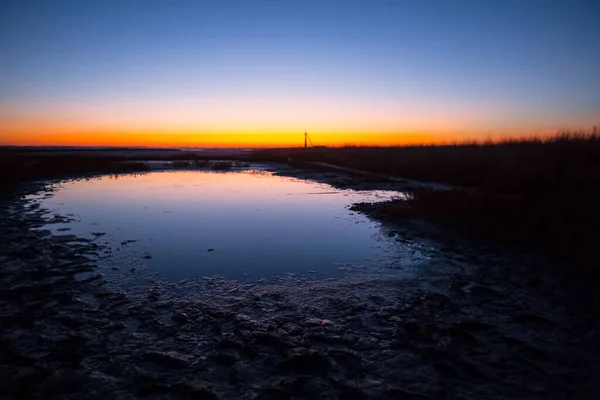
253 122
42 132
261 122
161 139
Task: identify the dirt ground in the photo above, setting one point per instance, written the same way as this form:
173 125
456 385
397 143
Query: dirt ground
476 322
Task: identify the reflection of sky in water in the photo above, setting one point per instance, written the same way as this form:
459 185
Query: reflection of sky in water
259 225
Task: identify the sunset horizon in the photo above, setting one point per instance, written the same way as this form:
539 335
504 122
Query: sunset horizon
262 73
276 140
269 139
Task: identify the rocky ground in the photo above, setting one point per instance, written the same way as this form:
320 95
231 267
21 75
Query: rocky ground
476 323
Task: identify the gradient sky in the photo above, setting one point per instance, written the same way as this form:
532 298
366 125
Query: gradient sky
249 72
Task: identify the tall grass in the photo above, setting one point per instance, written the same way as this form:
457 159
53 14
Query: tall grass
512 166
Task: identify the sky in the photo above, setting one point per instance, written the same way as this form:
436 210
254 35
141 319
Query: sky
261 73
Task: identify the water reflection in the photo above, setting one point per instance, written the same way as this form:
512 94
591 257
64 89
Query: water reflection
243 225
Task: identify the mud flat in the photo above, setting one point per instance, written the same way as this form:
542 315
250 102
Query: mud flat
474 323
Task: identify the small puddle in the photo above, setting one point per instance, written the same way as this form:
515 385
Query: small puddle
245 225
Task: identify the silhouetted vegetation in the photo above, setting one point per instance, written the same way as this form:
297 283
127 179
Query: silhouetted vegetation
534 190
516 166
17 166
565 225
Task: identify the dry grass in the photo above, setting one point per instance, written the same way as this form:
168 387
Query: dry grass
565 226
514 166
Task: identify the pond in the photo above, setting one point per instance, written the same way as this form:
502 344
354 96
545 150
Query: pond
243 225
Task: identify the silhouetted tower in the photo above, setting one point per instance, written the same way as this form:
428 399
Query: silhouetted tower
307 140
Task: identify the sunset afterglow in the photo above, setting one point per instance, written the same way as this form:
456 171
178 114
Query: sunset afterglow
260 73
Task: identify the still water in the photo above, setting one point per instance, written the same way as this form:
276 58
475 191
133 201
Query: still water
243 225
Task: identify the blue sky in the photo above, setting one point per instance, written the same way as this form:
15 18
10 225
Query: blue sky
497 65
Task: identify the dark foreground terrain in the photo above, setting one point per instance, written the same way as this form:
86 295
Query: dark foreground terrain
474 323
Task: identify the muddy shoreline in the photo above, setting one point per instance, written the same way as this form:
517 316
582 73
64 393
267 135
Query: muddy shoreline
475 323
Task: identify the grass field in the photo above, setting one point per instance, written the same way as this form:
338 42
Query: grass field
567 160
